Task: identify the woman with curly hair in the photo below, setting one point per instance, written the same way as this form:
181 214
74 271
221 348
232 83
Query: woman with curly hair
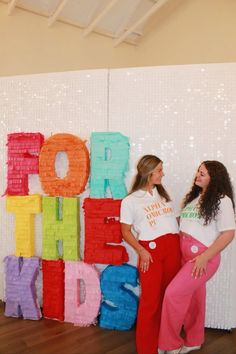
207 226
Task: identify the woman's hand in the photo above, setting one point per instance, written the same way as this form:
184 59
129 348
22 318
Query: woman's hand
200 266
145 256
218 245
145 259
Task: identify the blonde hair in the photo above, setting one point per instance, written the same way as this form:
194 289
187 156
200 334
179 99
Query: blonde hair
145 167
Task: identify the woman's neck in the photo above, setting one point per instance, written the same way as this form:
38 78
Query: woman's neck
202 192
148 188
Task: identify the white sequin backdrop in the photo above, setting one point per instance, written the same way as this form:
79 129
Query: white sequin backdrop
183 114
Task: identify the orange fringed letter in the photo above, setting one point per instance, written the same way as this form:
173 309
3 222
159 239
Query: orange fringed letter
75 181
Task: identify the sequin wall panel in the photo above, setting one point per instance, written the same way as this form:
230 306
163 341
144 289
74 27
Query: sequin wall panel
184 114
72 102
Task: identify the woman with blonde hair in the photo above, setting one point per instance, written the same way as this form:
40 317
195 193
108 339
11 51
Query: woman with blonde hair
149 225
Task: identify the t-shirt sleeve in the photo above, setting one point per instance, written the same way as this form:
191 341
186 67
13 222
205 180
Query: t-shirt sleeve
226 217
126 211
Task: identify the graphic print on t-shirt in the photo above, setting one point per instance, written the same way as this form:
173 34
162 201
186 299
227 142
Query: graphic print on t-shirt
191 213
155 210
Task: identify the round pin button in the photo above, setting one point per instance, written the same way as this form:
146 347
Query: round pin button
152 245
194 249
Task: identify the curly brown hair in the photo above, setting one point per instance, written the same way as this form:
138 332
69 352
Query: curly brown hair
145 167
218 187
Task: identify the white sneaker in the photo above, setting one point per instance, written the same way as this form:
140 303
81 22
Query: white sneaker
174 351
185 349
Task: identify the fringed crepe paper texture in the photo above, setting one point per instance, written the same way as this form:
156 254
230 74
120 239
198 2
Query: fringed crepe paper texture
77 176
119 306
53 289
24 208
64 227
109 164
21 299
22 160
81 312
71 288
102 226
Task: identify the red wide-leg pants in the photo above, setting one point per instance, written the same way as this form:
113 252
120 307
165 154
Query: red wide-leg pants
165 251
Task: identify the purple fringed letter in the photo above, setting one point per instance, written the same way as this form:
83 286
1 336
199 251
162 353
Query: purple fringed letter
21 299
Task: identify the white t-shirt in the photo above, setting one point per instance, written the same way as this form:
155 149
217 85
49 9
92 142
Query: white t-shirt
150 215
193 224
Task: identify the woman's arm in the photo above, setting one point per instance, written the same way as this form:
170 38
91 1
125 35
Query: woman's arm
145 256
220 243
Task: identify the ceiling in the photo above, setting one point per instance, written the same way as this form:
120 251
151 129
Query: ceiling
122 20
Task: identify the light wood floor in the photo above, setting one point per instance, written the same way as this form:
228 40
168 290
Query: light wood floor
18 336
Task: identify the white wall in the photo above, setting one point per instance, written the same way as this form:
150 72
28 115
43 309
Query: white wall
184 114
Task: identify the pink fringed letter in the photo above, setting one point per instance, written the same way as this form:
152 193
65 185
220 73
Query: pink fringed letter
82 293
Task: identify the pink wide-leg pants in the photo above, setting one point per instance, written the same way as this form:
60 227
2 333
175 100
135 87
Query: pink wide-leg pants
184 301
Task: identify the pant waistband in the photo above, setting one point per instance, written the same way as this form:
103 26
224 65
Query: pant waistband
184 235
